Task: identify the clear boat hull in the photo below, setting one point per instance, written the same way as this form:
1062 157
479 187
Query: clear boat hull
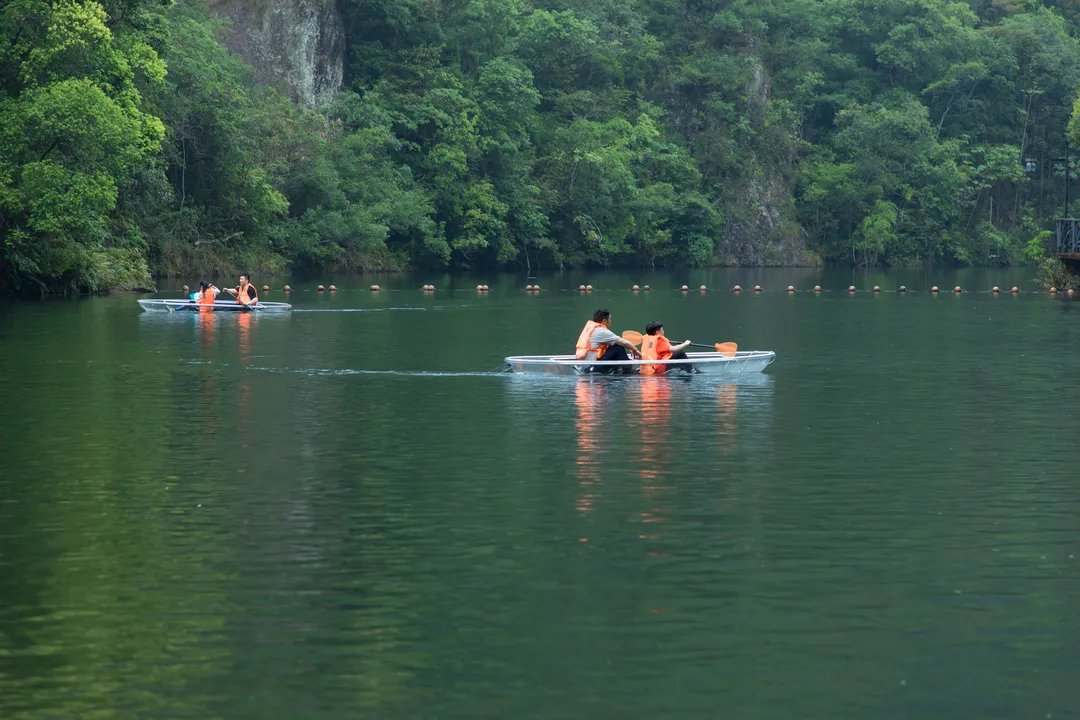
163 305
708 363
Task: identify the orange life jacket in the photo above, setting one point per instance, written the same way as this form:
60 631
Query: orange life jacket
583 346
654 347
207 300
242 294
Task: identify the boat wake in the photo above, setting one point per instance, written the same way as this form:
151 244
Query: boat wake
361 310
346 372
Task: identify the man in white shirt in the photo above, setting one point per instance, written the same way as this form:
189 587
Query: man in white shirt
598 342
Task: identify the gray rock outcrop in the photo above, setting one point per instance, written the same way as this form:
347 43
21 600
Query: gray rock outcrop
295 45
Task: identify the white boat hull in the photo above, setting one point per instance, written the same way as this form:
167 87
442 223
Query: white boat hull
713 363
163 305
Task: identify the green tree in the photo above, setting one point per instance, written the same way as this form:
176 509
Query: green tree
74 132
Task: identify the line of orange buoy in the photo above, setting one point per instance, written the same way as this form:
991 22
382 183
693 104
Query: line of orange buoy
851 289
934 289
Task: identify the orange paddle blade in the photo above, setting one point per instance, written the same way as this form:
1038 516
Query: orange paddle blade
728 348
633 336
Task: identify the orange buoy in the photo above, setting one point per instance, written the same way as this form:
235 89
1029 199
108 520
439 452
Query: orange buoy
791 288
902 288
736 288
266 288
703 289
757 288
817 288
332 288
995 289
374 288
319 288
1015 290
635 288
684 288
288 288
851 288
185 288
877 288
934 289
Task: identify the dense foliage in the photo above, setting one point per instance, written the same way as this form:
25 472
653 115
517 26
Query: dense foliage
536 132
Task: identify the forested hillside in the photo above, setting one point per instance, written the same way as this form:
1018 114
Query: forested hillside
517 133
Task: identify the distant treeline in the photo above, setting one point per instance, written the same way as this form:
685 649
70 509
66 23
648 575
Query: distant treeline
518 133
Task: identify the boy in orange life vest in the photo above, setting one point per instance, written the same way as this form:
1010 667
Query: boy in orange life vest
597 342
655 346
245 293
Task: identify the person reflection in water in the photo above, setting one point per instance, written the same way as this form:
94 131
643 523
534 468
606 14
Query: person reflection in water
597 342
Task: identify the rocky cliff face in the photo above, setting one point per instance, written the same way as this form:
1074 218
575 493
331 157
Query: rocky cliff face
761 227
295 45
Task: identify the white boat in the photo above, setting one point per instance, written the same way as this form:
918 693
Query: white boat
714 363
163 305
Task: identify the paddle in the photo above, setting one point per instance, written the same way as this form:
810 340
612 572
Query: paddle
728 348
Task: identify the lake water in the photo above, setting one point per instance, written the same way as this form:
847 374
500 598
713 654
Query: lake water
351 511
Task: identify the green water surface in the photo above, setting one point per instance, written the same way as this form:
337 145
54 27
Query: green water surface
350 511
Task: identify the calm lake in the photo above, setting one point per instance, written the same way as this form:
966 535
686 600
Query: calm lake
350 511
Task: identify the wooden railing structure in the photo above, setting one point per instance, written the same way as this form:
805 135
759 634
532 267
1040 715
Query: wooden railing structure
1067 232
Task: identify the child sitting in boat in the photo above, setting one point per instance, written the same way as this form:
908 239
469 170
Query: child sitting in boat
206 294
655 346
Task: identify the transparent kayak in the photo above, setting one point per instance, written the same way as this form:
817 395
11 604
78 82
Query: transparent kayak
714 363
156 305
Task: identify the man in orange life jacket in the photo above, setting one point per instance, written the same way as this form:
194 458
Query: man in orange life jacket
655 346
245 293
597 342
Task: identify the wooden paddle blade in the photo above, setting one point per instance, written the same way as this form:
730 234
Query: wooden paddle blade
728 348
633 336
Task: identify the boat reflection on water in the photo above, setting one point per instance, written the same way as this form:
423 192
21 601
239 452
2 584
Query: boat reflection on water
727 402
245 412
653 467
588 398
206 328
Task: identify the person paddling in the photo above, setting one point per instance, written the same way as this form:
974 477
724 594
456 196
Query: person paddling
655 346
597 342
245 293
207 295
